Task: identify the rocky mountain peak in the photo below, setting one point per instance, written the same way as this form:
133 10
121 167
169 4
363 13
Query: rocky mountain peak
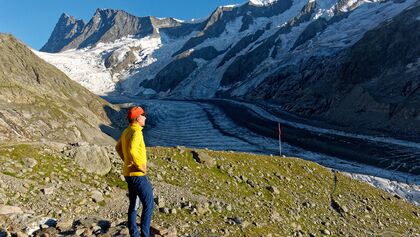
65 17
66 30
111 17
68 20
105 26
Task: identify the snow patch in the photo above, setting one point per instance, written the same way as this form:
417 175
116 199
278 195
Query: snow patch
348 5
262 2
231 6
86 66
194 20
178 20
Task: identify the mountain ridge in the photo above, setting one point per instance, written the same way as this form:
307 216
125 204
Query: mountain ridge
41 102
275 52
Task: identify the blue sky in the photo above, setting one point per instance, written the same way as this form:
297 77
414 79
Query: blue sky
32 21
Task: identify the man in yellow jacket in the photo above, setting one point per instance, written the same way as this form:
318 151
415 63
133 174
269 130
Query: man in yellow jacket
132 150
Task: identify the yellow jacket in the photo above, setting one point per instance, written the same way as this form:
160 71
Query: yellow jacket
132 150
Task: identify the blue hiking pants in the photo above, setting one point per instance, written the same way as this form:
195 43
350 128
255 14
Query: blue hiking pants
140 187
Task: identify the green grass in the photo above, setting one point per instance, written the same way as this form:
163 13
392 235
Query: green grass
301 182
114 181
298 182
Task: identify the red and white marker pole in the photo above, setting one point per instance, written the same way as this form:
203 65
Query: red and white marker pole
279 137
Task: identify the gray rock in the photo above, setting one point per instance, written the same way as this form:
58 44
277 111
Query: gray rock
7 210
64 224
97 196
273 189
164 210
200 210
160 201
326 232
156 230
113 61
79 232
29 162
92 158
236 220
203 158
275 216
181 149
48 191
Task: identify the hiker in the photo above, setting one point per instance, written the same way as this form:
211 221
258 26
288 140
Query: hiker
132 150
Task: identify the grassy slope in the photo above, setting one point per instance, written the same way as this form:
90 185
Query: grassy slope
47 103
303 200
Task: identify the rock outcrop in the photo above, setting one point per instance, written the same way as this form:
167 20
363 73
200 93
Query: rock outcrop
66 30
91 157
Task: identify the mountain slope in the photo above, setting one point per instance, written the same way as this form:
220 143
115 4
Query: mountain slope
372 85
306 56
40 102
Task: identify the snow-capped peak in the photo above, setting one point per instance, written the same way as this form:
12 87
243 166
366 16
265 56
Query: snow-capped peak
262 2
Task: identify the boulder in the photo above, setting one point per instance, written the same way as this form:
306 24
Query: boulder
7 210
273 189
160 201
96 196
203 158
29 162
92 158
48 191
64 224
156 230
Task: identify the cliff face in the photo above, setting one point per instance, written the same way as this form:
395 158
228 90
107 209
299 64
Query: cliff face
66 30
40 102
